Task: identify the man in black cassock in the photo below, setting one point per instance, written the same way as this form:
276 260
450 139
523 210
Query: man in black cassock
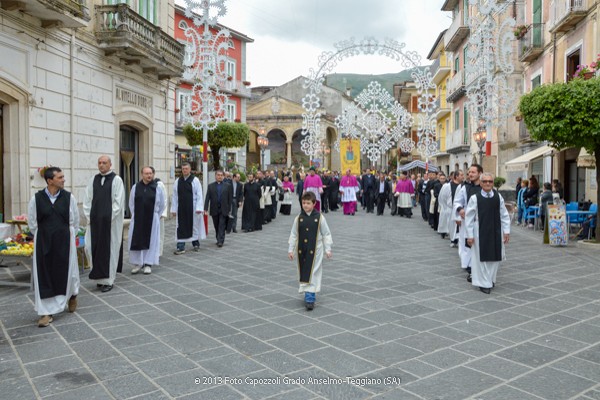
334 192
325 197
53 219
104 208
251 212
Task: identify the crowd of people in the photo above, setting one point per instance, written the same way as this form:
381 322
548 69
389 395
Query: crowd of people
455 209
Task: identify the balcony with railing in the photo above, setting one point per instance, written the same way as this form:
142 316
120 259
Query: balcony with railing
458 31
441 106
565 14
456 87
122 32
234 87
531 45
458 142
439 69
53 13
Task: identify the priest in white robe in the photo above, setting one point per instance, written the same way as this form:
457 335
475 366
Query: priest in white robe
187 204
53 218
147 202
445 223
458 211
488 230
104 209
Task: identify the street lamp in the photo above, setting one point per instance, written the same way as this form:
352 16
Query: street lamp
263 142
480 137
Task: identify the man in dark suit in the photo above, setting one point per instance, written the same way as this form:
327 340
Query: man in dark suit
382 188
238 196
369 188
219 197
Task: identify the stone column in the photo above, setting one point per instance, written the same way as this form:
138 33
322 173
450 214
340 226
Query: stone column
288 153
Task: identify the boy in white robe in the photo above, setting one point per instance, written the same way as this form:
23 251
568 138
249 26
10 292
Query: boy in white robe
309 237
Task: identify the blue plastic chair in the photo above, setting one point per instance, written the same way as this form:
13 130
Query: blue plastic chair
532 213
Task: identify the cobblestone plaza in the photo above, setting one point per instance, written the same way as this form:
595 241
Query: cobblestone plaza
396 319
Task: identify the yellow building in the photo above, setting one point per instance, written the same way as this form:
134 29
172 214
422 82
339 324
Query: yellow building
440 71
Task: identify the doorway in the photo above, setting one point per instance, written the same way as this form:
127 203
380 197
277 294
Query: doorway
2 216
129 155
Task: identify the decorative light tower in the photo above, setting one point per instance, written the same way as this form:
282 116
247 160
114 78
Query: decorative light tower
206 57
489 65
263 142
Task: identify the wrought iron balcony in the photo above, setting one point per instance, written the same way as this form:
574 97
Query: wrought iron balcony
456 87
565 14
234 87
122 32
458 31
441 107
531 45
53 13
439 69
458 142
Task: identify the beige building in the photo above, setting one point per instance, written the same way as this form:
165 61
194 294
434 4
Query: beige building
83 78
559 35
277 113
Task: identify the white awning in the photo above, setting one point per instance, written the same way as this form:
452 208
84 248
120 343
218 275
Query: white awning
522 162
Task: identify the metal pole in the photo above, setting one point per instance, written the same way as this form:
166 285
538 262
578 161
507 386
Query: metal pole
205 169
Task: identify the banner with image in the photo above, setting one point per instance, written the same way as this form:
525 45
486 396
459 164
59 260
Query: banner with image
350 156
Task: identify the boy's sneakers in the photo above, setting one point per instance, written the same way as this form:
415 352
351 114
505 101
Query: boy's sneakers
147 270
309 300
178 252
196 248
136 269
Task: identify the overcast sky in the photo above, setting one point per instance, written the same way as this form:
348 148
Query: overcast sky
289 35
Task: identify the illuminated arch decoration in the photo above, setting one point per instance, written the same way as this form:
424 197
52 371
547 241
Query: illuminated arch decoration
328 61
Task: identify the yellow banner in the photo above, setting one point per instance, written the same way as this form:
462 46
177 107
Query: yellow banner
350 155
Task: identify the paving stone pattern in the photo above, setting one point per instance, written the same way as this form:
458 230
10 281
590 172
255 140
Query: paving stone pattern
395 307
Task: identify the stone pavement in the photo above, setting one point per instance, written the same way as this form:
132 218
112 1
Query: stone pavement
395 308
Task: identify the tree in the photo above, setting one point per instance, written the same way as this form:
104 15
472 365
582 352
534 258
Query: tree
566 115
225 134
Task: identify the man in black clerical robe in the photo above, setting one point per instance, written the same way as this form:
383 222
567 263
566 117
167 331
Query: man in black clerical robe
104 208
251 212
53 219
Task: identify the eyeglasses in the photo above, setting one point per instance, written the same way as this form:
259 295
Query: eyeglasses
487 181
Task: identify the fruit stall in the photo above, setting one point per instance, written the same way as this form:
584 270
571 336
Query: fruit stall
16 249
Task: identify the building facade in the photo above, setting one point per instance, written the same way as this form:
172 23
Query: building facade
235 85
81 79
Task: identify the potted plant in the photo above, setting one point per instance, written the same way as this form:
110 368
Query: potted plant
583 72
520 31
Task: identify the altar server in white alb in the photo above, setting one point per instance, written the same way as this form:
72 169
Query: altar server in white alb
147 202
53 219
104 208
488 230
187 205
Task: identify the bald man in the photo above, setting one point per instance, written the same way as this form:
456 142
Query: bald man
104 208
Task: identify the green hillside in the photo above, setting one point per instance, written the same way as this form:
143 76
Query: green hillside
360 81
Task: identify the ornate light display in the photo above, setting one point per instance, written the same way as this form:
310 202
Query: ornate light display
490 62
205 61
377 120
328 61
206 57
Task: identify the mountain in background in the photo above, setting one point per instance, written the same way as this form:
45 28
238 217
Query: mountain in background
358 82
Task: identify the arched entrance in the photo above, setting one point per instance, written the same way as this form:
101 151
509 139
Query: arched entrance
129 166
277 149
299 158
